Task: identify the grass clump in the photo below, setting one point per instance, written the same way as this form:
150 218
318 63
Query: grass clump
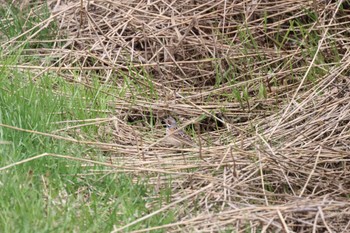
57 194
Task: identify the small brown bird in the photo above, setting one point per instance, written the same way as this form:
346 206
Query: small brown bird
176 137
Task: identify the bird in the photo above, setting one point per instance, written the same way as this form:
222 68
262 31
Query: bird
176 136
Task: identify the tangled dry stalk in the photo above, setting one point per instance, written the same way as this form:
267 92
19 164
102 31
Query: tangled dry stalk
278 163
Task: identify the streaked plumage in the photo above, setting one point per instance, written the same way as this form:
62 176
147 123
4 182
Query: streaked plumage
179 138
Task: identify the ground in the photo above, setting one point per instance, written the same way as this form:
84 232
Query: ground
262 87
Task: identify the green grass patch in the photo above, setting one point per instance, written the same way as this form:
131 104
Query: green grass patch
55 194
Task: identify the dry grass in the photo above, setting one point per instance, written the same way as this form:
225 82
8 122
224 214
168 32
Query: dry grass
271 162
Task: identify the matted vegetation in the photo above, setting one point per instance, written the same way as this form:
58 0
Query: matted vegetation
262 86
